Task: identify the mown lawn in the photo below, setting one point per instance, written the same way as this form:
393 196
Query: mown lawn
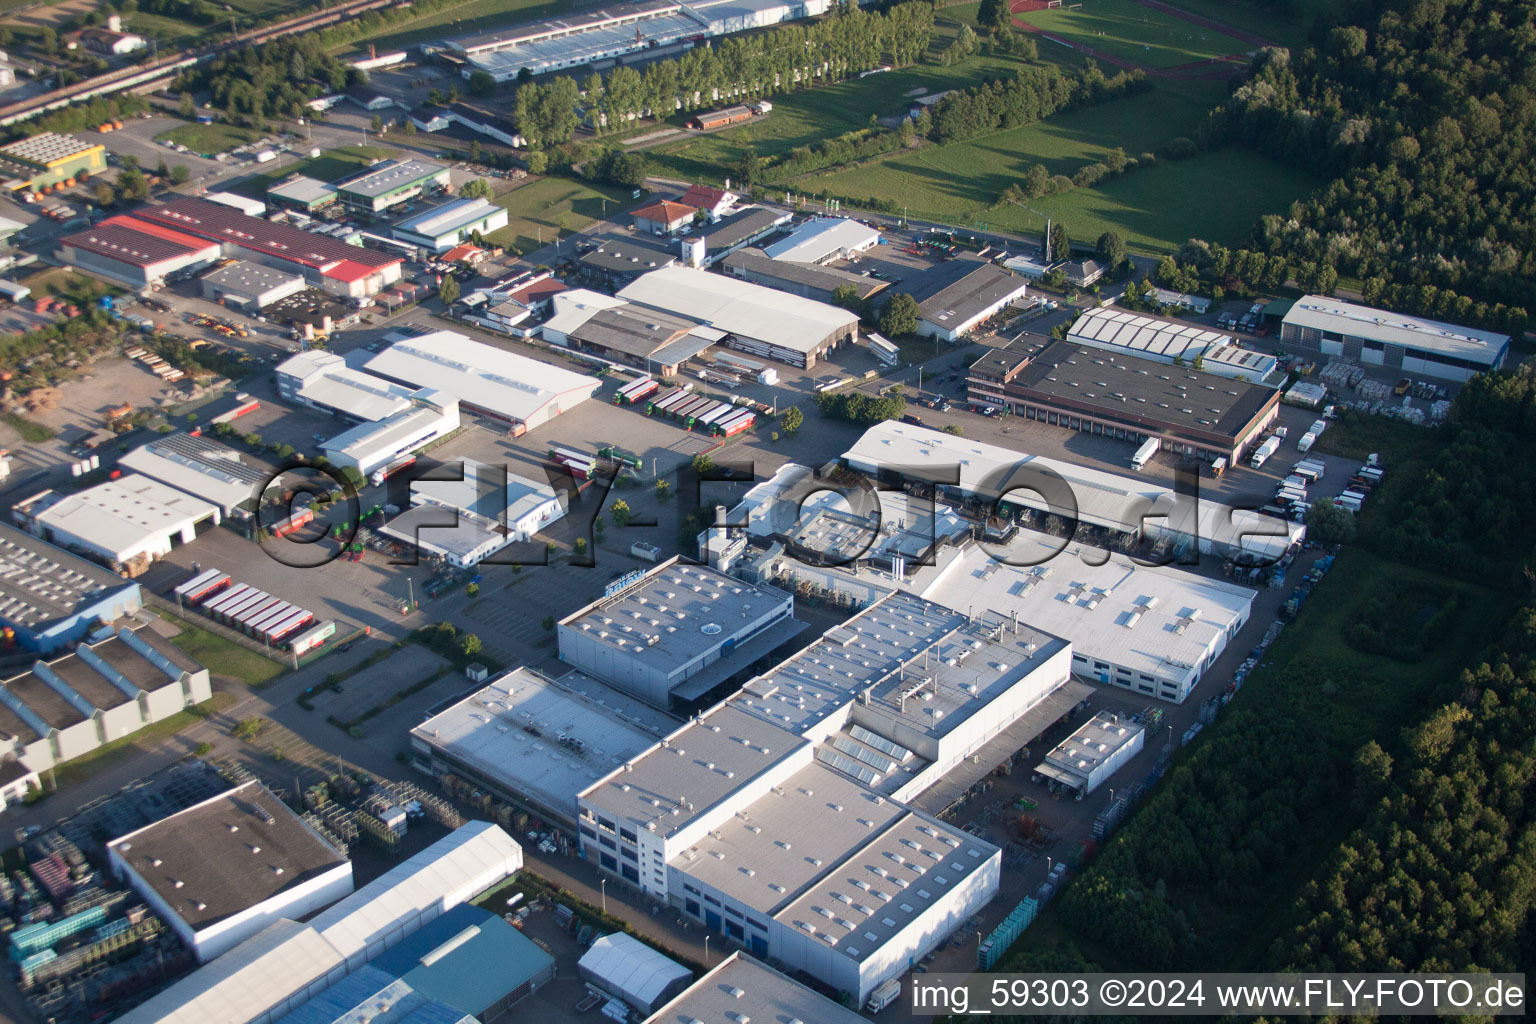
209 139
541 210
1136 33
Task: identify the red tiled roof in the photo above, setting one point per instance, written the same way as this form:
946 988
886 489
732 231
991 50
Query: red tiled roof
665 211
135 242
226 224
537 291
461 252
704 196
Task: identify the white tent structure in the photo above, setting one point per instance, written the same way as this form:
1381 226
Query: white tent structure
628 968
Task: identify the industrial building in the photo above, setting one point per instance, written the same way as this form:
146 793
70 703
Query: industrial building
201 467
741 986
489 382
297 192
616 262
323 380
823 239
136 252
663 217
246 205
223 870
677 632
390 183
632 972
434 117
1375 337
249 286
1168 341
41 162
1085 760
535 742
808 280
724 118
949 311
287 964
1150 629
759 321
742 228
465 521
369 994
623 332
127 522
50 599
1097 391
1118 509
333 266
616 32
372 446
111 685
443 227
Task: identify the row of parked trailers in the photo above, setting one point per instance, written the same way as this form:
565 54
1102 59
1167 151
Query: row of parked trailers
711 414
638 390
254 611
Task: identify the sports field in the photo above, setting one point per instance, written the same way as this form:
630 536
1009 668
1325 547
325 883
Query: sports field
542 210
1125 29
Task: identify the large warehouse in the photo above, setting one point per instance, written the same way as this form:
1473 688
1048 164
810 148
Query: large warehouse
350 271
287 964
249 286
51 599
950 312
823 239
535 742
388 184
1099 392
735 231
41 162
443 227
759 321
1123 507
138 253
109 687
1150 629
616 31
222 870
623 332
677 632
372 446
808 280
127 522
1169 341
741 985
1375 337
202 468
323 380
468 520
489 382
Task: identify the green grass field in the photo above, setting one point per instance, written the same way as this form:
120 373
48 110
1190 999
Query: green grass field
225 657
1136 33
807 117
542 210
208 139
1285 24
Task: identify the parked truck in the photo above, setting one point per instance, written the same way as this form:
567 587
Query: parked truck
883 996
1262 453
1144 454
1306 441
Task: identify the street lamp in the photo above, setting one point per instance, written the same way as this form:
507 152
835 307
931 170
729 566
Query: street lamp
706 949
603 885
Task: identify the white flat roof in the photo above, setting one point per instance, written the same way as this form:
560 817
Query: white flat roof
449 217
740 307
1326 313
549 740
822 237
1108 500
1093 743
487 491
200 467
576 306
481 375
327 380
126 514
1150 619
742 985
1147 335
364 442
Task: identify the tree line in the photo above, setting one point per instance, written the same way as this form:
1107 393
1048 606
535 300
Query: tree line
1031 95
737 68
275 79
1434 194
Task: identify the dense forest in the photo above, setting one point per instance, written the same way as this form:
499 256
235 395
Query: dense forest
1424 111
274 79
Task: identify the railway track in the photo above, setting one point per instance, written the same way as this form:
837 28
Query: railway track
141 75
